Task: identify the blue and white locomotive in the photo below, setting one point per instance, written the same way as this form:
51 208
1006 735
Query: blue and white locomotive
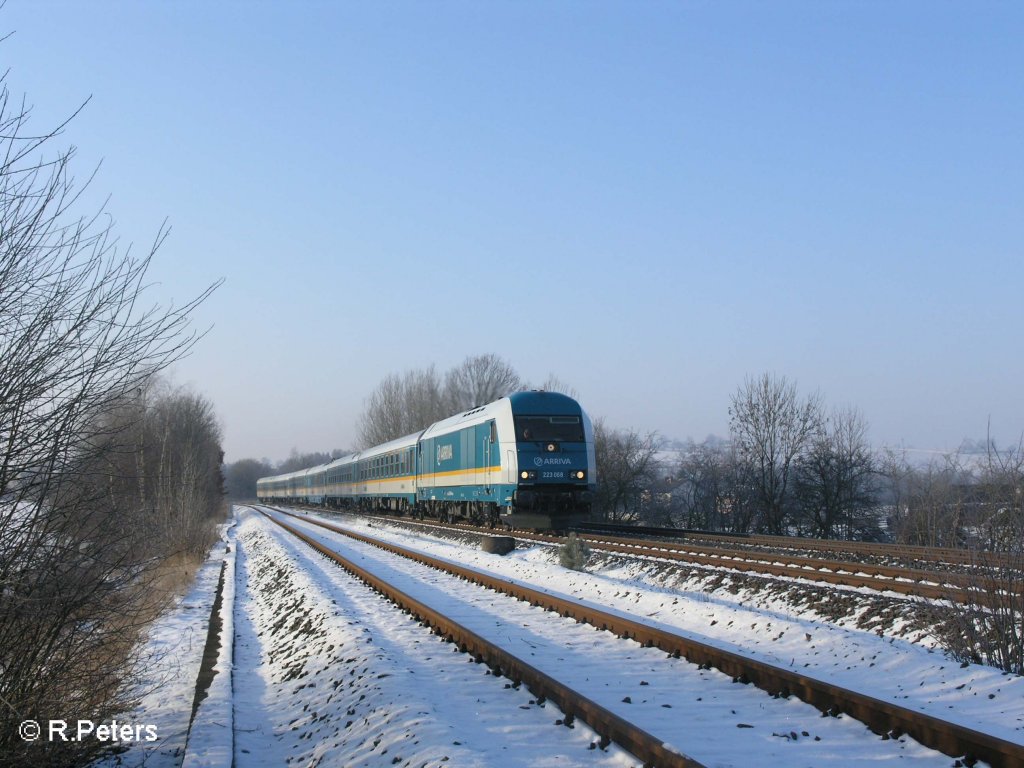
526 460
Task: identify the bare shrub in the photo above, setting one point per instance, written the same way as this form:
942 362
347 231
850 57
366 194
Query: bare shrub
989 628
574 553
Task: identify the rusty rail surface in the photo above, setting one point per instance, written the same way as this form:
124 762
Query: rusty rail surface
880 716
961 587
609 726
877 549
985 590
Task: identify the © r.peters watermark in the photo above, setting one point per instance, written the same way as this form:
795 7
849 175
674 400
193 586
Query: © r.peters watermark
80 730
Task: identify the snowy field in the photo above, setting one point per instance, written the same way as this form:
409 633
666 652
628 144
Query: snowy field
315 669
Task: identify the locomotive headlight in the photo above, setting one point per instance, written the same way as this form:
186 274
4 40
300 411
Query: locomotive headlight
525 475
551 447
579 474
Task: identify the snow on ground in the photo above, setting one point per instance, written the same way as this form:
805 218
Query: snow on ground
703 713
888 668
174 651
211 737
329 673
315 669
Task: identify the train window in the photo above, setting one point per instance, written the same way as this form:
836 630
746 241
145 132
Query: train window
494 432
550 428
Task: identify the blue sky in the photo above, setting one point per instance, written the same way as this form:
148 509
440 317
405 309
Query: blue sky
649 200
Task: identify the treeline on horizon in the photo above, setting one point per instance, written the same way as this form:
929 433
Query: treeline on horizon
790 465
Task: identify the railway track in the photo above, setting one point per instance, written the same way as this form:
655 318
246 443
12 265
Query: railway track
608 725
936 585
913 582
881 716
905 552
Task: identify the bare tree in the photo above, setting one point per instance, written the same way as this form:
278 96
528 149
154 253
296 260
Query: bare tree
1002 477
771 426
554 384
714 488
402 404
934 504
76 342
478 380
626 468
383 416
835 478
240 477
894 473
425 401
182 448
297 461
406 403
701 485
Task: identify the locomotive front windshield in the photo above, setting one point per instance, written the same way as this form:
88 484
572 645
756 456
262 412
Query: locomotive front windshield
550 428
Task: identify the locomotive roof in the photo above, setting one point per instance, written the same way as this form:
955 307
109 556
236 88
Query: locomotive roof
535 402
473 416
538 402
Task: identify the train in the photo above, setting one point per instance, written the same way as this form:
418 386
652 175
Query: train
523 461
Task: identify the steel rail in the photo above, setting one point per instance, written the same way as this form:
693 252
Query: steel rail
609 726
878 549
957 587
880 716
747 564
947 585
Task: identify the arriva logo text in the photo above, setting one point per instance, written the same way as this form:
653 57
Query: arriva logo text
541 462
